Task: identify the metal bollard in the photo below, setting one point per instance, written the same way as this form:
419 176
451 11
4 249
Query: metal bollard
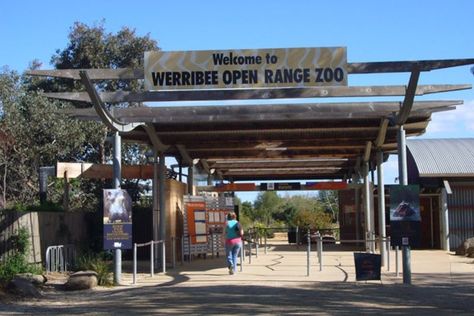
189 248
152 259
173 252
163 258
242 250
320 252
256 250
308 253
250 252
135 263
212 246
265 239
388 253
396 262
182 249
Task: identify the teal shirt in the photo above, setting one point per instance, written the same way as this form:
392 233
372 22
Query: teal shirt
231 230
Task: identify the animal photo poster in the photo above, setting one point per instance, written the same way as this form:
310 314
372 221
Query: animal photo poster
117 206
117 219
405 203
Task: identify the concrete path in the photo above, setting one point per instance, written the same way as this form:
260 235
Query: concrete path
275 283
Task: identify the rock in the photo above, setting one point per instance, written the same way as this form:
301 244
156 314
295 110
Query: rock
82 280
23 286
36 279
467 248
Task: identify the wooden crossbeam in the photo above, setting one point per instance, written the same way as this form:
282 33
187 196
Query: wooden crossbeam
352 68
241 113
409 96
102 171
243 94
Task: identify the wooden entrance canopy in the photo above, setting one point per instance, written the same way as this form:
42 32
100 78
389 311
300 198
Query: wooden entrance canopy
268 139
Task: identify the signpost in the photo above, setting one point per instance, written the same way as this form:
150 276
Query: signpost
117 219
405 222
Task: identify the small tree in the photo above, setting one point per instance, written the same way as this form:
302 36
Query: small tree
314 220
18 261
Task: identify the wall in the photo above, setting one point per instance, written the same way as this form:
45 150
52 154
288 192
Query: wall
10 222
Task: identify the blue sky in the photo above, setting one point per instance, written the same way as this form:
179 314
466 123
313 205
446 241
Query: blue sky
371 31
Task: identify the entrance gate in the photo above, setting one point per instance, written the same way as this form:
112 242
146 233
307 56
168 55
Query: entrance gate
265 141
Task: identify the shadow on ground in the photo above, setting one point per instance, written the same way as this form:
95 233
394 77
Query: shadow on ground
235 299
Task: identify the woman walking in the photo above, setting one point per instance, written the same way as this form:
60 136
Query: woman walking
233 241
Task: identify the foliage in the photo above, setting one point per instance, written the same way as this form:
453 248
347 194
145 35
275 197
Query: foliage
330 201
311 219
297 210
266 205
17 262
35 131
98 263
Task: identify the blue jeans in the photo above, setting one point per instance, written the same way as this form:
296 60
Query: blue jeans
232 252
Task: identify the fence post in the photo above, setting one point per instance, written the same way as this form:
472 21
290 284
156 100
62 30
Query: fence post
396 262
182 249
173 244
48 261
135 263
242 250
320 251
152 259
250 252
212 245
61 259
387 244
163 259
308 240
189 248
265 240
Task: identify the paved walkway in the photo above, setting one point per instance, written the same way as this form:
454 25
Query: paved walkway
276 283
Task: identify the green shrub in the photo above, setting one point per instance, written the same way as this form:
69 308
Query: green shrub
17 262
97 263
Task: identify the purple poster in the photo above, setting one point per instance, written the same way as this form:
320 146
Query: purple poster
117 219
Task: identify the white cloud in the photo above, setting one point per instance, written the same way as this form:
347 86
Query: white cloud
455 123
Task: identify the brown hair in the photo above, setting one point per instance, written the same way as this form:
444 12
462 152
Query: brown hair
231 216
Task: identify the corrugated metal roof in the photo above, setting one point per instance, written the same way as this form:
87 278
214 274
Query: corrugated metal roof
443 157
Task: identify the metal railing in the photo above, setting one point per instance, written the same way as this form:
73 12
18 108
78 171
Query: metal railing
383 242
151 243
60 258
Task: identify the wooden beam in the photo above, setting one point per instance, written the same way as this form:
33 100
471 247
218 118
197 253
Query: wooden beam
154 139
94 74
256 113
368 148
101 171
352 68
406 66
185 158
382 133
244 94
107 118
409 96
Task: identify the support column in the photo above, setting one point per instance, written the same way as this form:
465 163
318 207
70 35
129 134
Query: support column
403 180
117 174
368 221
444 220
156 208
162 203
381 206
402 157
190 180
